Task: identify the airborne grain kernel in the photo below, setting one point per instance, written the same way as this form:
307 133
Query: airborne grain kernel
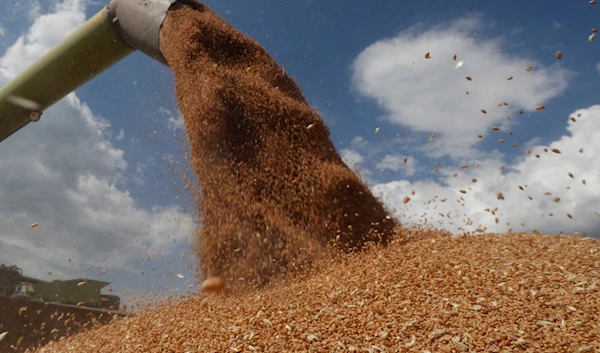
213 284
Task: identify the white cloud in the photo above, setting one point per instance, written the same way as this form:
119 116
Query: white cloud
64 173
47 31
598 67
173 122
351 158
355 159
2 31
429 95
557 25
34 10
549 173
359 142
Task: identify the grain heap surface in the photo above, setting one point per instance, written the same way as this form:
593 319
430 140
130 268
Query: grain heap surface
274 188
492 293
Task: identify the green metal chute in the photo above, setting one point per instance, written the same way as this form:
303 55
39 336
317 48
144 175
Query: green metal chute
113 33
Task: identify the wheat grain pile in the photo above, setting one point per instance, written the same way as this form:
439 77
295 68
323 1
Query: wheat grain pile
491 293
275 192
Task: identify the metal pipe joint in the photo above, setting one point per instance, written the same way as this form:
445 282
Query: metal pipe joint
138 23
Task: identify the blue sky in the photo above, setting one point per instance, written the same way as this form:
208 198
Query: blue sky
363 67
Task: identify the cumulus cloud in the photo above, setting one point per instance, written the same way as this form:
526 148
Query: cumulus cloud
174 122
64 173
32 8
46 31
559 191
430 95
356 160
491 191
351 158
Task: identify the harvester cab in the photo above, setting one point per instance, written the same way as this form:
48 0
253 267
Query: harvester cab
10 280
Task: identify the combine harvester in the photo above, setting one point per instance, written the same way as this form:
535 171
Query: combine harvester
119 29
36 311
